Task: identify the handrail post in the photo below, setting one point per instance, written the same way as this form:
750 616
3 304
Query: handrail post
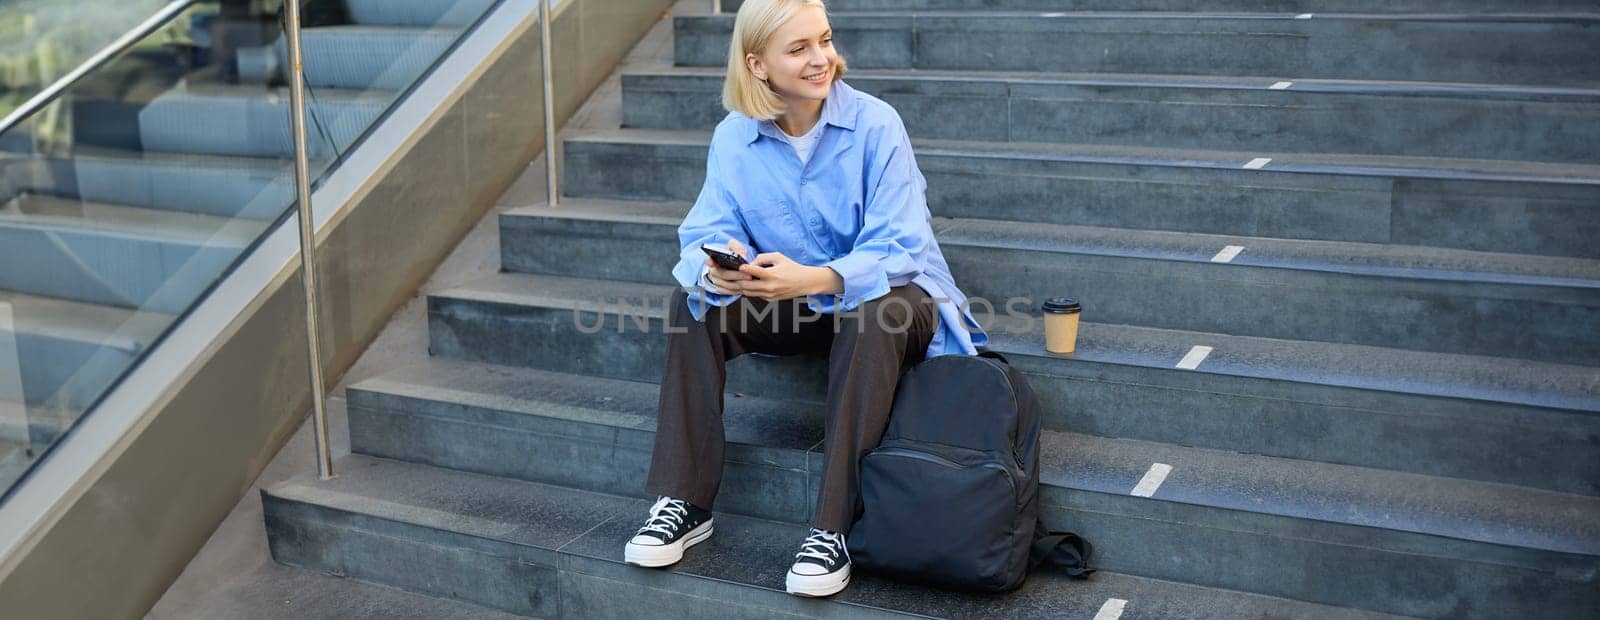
552 192
308 240
716 7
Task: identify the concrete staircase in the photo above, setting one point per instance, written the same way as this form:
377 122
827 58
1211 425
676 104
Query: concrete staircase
1378 227
108 242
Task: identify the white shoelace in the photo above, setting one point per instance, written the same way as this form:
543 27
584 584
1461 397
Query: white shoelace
666 516
821 545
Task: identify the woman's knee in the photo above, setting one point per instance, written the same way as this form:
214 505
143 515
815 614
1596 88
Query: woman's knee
904 310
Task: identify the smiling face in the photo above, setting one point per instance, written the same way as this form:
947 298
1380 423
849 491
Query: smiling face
799 61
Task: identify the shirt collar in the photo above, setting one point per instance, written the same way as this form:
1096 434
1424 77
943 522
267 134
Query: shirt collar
839 110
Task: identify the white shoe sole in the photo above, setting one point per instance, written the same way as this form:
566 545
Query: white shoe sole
657 556
817 585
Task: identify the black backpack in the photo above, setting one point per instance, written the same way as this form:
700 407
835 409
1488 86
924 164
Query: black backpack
950 498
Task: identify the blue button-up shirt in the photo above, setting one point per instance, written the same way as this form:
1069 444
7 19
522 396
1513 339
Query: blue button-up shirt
857 206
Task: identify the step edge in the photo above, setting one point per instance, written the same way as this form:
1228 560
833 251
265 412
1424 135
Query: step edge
564 556
475 292
1319 86
1379 261
1067 486
1381 166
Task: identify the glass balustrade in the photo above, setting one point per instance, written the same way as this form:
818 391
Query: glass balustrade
136 188
41 40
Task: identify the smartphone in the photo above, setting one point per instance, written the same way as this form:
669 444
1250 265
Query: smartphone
723 257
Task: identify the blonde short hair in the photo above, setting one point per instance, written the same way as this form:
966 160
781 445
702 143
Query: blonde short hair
752 30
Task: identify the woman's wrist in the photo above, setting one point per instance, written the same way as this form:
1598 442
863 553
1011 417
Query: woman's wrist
827 281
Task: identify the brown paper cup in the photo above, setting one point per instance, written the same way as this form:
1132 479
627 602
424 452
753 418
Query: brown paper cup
1061 332
1061 325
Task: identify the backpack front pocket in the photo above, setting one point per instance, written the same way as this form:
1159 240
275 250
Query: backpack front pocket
936 514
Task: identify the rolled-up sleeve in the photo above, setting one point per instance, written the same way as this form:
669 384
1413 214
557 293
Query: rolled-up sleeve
714 218
897 230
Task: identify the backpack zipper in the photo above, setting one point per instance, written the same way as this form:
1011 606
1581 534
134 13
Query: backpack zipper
939 460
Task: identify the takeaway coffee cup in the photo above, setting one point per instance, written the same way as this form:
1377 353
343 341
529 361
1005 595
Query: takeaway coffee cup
1061 324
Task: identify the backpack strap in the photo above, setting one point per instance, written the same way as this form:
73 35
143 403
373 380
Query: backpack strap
1064 550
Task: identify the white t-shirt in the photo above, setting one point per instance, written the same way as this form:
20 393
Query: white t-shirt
804 145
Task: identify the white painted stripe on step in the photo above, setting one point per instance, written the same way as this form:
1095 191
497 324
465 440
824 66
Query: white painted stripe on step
1258 163
1196 355
1304 16
1152 480
1112 610
1227 254
1282 85
1052 15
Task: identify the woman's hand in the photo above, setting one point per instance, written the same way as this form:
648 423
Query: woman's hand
777 277
728 281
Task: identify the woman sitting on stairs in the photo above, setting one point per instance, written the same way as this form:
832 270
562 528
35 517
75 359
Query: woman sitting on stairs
819 180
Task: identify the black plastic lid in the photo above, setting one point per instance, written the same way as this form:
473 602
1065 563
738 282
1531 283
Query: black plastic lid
1061 305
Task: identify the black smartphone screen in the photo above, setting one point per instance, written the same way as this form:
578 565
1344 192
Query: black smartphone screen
725 260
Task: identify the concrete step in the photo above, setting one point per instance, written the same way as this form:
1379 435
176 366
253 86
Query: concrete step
1192 112
1220 519
354 57
252 121
416 13
117 255
1496 206
266 590
1503 48
549 551
1429 299
1254 6
245 187
1483 418
63 354
1425 299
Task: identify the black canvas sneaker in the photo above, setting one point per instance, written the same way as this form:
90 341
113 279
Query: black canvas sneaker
822 568
674 525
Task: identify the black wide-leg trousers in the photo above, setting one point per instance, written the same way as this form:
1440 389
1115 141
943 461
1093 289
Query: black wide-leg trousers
867 349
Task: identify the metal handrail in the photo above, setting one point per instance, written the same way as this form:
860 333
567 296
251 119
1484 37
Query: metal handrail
106 54
552 192
308 235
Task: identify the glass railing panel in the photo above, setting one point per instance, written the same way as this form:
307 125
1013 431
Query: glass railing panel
363 57
41 40
127 198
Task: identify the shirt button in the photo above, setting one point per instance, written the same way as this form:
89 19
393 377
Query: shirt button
802 181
